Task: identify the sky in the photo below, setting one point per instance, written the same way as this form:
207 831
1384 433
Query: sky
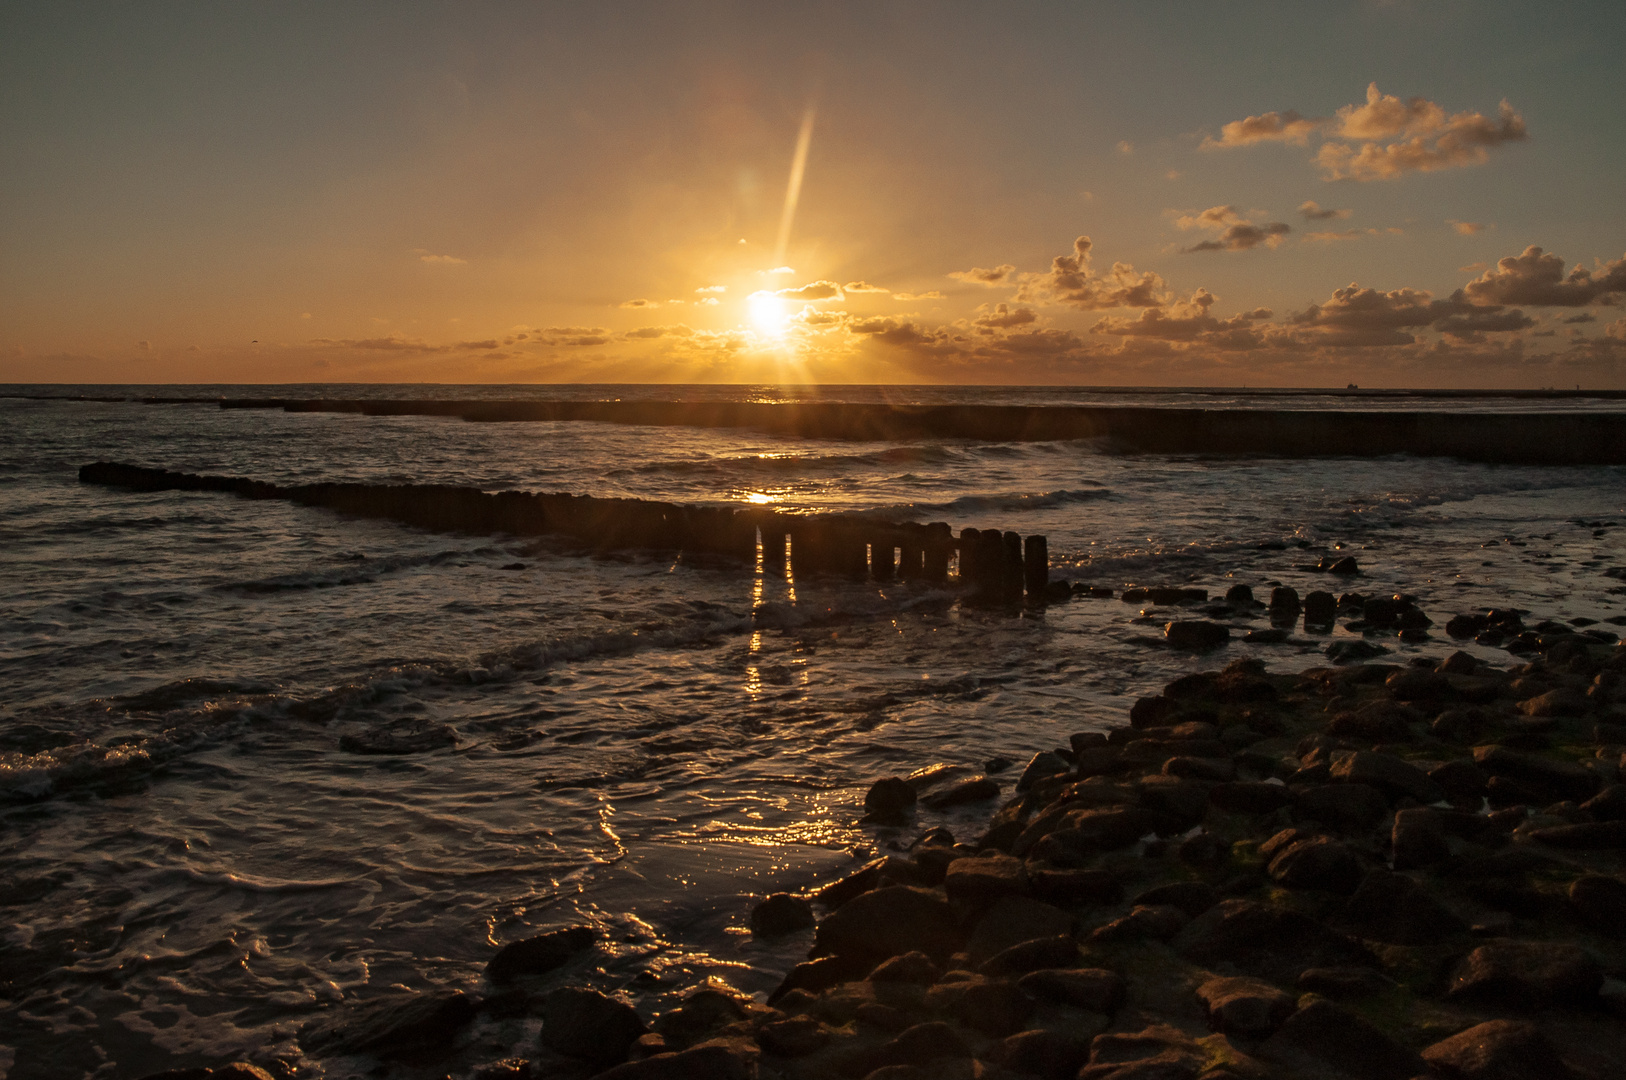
1414 193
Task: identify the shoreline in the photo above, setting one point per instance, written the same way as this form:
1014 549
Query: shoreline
1363 870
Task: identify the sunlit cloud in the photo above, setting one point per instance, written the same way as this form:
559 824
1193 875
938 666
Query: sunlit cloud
864 287
931 294
639 303
712 289
1126 147
442 260
780 270
1285 127
1314 212
816 290
978 275
1537 278
1341 235
1236 232
649 332
1072 281
1466 228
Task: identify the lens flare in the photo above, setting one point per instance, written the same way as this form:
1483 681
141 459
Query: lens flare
768 314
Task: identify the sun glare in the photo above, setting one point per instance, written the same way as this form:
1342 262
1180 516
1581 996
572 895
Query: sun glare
768 314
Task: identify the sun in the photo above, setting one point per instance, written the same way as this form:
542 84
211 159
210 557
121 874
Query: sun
768 314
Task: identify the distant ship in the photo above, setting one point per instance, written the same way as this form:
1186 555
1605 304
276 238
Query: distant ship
1351 386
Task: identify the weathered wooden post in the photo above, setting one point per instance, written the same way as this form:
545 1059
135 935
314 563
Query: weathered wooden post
911 556
969 544
1011 568
935 558
1036 567
880 556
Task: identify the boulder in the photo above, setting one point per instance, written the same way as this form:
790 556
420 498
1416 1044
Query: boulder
1324 1039
1317 863
1196 634
1284 601
1563 779
1158 923
781 913
1091 989
702 1012
1349 808
889 800
720 1060
1463 782
1394 909
821 974
889 921
1157 1052
995 1007
1266 941
1352 651
1243 1006
1418 839
1012 920
1042 765
397 1025
1039 954
1386 772
1380 721
1320 608
1192 897
794 1036
924 1045
1247 797
540 954
913 967
1344 982
1526 974
1585 836
1608 804
1071 888
1560 702
1600 902
1050 1055
1498 1050
586 1024
1418 684
976 789
985 878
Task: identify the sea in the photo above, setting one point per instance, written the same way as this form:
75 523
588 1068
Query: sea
194 866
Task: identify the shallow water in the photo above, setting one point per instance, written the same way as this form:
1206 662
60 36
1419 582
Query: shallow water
193 867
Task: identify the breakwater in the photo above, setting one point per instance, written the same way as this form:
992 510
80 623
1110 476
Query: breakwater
995 566
1501 438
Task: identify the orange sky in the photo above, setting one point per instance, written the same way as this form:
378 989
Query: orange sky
1392 194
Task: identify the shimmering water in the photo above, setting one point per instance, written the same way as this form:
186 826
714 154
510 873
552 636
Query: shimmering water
191 866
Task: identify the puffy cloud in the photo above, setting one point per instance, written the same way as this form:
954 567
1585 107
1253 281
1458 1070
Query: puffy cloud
977 275
893 332
1070 280
1616 330
1284 127
1366 317
1314 212
712 289
815 290
1538 279
1383 138
1466 228
1238 234
707 301
639 303
1003 317
1190 321
1473 325
864 287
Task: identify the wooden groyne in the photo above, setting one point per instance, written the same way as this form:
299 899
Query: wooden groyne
995 567
1569 438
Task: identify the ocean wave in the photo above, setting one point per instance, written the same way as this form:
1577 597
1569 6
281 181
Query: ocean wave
779 463
1001 502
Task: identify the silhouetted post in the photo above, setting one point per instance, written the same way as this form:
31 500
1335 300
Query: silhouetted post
969 544
1011 568
935 558
852 554
1036 567
773 547
911 558
880 557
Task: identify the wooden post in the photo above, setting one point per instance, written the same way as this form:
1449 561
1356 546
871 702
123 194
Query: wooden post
1036 567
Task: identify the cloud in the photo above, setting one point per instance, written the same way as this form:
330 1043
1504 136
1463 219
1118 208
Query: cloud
1238 234
980 276
1003 317
707 301
648 332
1284 127
864 287
442 260
1466 228
712 289
1384 138
932 294
398 344
1125 146
1583 317
639 303
816 290
781 270
1071 281
1313 212
1537 279
1189 321
1351 234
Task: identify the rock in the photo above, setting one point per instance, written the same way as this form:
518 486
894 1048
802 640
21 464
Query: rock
1385 772
1600 902
698 1016
912 967
1157 922
1204 851
1013 920
889 921
1176 804
1419 684
1265 941
394 1026
1526 974
1498 1050
1069 888
1239 595
1344 982
1463 782
1565 779
1608 804
236 1070
1467 626
1284 601
1275 635
1043 764
1196 634
1107 828
1394 909
1346 567
1587 836
890 799
1349 808
821 974
992 1006
1323 1038
1192 897
586 1024
985 878
506 1069
1319 863
1418 839
781 913
977 789
1381 721
1348 652
1320 609
1037 955
1158 1052
795 1036
1050 1055
1459 662
722 1060
1243 1006
540 954
1091 989
1213 770
1243 797
1560 702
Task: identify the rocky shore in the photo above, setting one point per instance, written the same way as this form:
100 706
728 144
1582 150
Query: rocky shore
1367 870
